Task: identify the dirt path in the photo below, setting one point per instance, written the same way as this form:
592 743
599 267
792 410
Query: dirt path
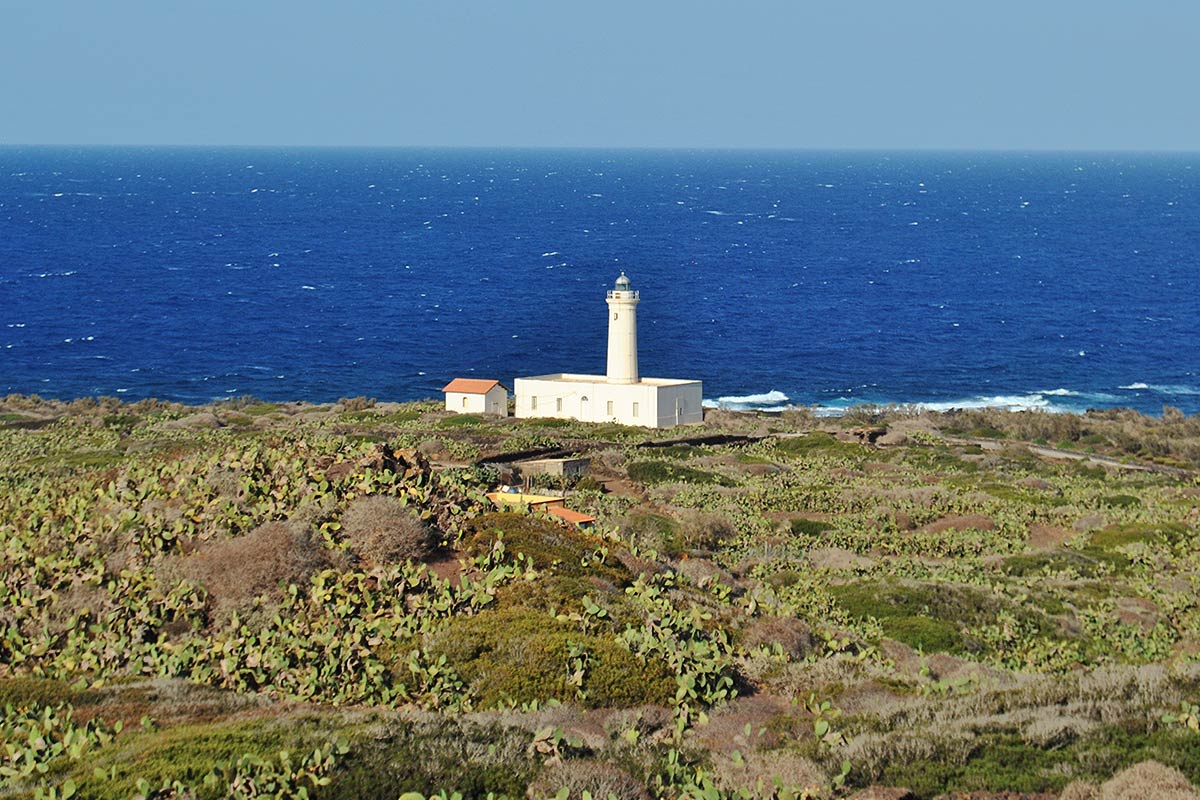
1073 455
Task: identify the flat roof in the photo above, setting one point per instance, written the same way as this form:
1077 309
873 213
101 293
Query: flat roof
520 499
570 377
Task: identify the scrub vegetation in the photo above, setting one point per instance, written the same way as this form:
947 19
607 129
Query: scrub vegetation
289 600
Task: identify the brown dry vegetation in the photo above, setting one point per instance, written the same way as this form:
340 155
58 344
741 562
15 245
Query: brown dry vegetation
383 530
263 562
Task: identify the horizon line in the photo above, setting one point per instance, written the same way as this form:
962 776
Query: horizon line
623 148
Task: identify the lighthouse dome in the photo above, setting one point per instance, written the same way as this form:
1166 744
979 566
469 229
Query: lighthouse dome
623 284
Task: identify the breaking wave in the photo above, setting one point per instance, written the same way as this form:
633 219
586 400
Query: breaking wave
773 400
1168 389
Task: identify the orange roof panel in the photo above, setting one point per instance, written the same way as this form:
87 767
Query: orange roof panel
574 517
470 385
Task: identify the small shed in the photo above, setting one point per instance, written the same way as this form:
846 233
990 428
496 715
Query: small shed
565 467
476 396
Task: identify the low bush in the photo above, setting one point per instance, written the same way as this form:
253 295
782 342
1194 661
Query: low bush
814 443
599 779
553 547
1087 563
427 753
809 527
654 472
262 562
1121 535
460 421
518 655
926 616
382 530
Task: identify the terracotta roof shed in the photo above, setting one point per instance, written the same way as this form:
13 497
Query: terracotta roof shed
568 515
470 386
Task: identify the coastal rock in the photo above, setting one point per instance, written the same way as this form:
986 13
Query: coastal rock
892 439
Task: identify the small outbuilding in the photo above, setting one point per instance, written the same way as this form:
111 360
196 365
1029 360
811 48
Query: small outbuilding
476 396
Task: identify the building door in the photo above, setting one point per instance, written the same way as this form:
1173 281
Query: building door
583 409
679 411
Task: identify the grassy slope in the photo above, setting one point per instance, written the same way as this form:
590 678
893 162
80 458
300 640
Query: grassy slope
949 612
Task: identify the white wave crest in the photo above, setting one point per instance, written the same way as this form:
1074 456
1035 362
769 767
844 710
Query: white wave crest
1169 389
773 400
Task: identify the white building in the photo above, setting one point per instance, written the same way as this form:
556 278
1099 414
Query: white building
621 395
474 396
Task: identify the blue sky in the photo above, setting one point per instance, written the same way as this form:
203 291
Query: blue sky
846 74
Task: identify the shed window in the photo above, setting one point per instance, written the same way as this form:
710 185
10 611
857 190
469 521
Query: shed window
609 411
464 405
533 402
635 409
558 404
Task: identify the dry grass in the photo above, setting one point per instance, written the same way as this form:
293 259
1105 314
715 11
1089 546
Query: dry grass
597 778
759 773
382 530
1148 780
262 562
794 636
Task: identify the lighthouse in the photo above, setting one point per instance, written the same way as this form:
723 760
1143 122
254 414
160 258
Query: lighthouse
621 395
622 332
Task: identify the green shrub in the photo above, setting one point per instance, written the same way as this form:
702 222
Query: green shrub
1120 535
998 762
460 421
260 409
556 548
810 527
652 472
187 753
1087 564
1120 501
813 443
23 692
925 634
648 530
928 616
516 655
478 760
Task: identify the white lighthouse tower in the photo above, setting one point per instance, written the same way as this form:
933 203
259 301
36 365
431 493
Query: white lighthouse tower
621 395
622 332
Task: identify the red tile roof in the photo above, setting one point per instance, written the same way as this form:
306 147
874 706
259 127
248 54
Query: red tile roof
470 386
574 517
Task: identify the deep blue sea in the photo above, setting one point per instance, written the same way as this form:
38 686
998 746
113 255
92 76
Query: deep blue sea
1054 281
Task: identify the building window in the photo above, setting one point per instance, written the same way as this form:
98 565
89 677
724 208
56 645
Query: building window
635 409
464 402
609 411
558 404
533 402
